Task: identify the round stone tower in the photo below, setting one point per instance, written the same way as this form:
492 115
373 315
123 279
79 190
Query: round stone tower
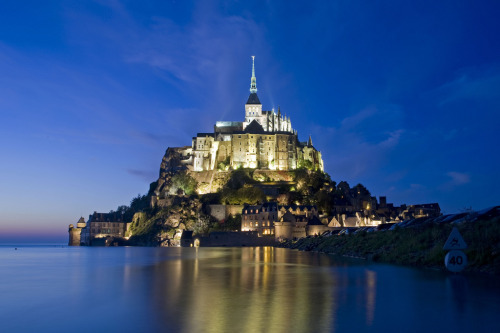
75 233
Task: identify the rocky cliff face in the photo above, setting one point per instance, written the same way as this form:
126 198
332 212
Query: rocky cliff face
210 181
170 164
163 226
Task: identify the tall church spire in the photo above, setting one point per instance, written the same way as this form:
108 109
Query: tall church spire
253 81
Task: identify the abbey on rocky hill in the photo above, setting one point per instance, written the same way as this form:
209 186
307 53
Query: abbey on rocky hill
265 140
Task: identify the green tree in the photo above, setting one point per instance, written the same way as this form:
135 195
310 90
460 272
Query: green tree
316 180
361 191
239 178
122 209
184 182
224 165
232 223
202 225
251 195
139 203
244 195
301 178
307 164
324 201
211 198
343 189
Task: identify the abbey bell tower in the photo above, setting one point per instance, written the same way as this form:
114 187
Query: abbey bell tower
253 107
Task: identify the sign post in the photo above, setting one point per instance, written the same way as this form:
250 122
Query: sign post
455 260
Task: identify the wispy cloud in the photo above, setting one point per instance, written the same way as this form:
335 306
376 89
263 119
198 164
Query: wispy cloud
362 141
455 179
392 139
146 175
458 178
478 84
198 57
355 120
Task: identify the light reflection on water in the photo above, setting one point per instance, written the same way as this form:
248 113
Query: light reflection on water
249 290
232 290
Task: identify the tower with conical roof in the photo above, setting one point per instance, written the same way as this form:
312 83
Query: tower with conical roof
253 107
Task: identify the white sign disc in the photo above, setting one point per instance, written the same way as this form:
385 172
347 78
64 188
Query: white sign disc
455 261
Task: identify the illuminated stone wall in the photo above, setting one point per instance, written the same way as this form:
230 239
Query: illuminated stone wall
273 151
74 235
222 212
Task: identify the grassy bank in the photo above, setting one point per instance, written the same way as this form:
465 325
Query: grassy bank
420 245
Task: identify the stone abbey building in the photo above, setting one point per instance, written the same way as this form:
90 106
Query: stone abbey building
264 140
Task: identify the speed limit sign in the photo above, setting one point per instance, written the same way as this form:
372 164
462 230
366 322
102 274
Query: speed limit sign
455 261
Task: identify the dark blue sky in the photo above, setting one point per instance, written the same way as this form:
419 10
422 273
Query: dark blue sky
401 96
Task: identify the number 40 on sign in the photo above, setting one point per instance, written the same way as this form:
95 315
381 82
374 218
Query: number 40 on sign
455 260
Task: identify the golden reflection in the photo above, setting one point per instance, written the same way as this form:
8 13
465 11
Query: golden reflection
371 293
244 290
195 274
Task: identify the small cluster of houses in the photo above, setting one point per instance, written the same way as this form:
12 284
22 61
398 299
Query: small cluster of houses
268 219
297 221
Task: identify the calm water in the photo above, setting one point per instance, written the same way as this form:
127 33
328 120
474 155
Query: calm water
50 289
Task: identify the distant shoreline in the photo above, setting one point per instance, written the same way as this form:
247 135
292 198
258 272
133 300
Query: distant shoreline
33 245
